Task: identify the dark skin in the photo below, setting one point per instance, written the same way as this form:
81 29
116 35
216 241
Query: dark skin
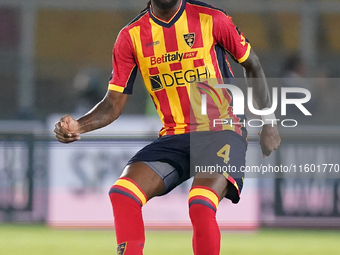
160 12
109 109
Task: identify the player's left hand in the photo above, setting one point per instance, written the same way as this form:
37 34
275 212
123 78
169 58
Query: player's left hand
269 139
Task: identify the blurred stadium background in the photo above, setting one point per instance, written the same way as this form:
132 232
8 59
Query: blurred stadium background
55 58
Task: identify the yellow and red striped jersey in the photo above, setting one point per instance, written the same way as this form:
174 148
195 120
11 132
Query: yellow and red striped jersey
176 58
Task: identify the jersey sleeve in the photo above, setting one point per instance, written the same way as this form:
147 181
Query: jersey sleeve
124 67
230 37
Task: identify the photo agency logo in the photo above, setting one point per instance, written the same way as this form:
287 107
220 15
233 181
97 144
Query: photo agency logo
267 114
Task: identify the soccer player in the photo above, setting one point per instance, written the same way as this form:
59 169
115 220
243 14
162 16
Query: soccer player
178 45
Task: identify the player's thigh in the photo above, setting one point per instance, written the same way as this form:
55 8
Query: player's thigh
214 181
145 178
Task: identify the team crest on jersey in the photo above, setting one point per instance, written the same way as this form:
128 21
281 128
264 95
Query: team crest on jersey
189 39
121 248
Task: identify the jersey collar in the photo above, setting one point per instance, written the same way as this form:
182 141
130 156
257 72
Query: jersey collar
173 19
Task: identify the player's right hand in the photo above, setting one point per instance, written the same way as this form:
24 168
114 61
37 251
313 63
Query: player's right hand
67 130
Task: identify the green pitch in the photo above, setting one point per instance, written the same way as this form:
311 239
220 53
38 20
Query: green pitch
41 240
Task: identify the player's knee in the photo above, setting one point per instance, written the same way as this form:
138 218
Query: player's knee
126 189
202 201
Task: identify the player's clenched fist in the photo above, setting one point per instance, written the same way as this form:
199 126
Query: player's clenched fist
269 139
67 130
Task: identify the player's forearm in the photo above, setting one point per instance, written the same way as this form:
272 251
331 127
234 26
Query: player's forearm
100 116
257 80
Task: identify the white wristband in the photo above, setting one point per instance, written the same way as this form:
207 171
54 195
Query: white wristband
269 119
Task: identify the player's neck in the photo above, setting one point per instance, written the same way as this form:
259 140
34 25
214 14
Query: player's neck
164 14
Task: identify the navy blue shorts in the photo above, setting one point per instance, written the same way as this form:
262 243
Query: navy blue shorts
188 154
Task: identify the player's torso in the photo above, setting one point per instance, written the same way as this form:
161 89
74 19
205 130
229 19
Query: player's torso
172 57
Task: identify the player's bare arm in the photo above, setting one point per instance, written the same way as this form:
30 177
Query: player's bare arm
269 136
105 112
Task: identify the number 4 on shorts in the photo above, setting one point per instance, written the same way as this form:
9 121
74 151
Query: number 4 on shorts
224 153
